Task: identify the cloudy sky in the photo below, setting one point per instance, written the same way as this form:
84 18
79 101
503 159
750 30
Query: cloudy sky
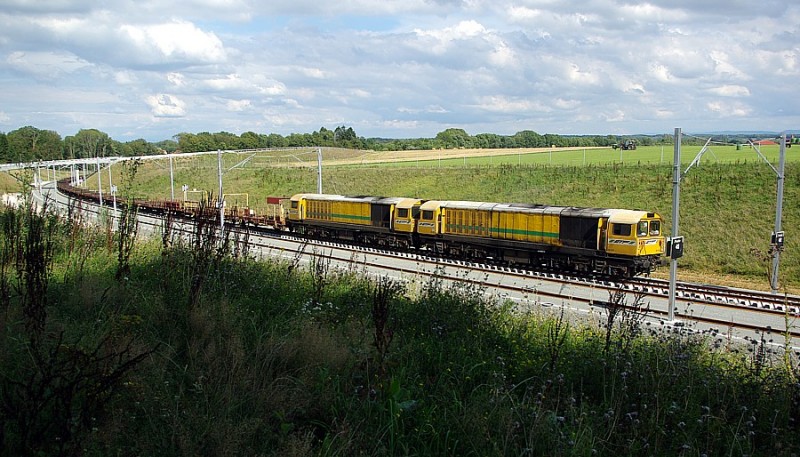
399 68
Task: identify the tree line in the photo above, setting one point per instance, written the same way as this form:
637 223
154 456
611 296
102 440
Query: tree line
28 144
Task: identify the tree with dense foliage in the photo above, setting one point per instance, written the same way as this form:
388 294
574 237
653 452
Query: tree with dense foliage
4 148
250 140
28 143
89 143
136 148
167 145
454 138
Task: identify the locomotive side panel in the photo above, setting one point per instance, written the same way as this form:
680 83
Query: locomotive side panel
526 225
334 209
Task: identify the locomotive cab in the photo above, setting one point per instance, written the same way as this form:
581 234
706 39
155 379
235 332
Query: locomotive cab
430 213
635 233
295 209
406 215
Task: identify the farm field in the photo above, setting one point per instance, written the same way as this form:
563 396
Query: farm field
559 156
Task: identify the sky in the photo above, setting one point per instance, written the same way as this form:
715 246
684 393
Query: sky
399 68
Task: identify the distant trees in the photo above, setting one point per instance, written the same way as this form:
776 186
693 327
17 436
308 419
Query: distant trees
138 147
29 143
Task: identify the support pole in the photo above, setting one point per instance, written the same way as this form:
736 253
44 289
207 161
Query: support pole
776 252
99 183
171 180
319 170
220 201
111 190
676 193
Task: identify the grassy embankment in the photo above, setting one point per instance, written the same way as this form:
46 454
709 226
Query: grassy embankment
8 184
164 348
727 203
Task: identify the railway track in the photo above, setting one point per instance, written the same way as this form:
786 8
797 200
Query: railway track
768 312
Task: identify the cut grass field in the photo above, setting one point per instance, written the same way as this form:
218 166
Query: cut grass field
727 200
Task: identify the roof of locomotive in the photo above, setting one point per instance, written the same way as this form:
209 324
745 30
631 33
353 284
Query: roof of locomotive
628 216
619 216
525 208
354 199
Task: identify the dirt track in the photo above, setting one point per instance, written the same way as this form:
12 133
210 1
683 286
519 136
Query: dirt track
410 156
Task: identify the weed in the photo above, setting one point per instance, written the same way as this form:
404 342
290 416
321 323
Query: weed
384 293
557 332
320 267
52 391
127 229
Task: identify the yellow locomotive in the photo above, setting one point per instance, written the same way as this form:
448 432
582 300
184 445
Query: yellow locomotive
617 242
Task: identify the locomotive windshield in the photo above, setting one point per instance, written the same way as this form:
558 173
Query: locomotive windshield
655 228
642 230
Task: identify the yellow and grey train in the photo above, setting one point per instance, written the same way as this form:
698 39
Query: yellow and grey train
615 242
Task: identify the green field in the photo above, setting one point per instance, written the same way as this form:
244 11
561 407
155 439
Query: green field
596 156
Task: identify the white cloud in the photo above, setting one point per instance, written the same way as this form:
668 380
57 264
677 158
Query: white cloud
561 103
272 88
176 79
166 105
728 109
578 76
614 116
730 91
660 72
125 78
179 40
523 13
360 93
45 64
238 105
229 82
502 56
317 73
510 105
439 41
